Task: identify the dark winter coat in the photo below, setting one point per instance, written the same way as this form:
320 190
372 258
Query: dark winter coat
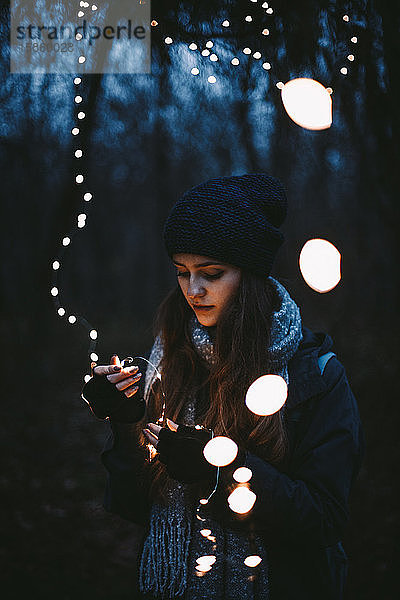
302 508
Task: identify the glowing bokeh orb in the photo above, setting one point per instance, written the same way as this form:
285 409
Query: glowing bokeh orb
220 451
206 560
94 356
81 59
205 52
79 179
56 265
77 80
246 51
78 153
213 57
248 19
225 23
252 561
195 71
203 568
267 66
192 46
72 319
209 44
205 532
319 263
307 103
235 61
93 334
54 291
81 115
343 70
88 196
211 79
242 475
257 55
266 395
66 241
204 501
75 130
241 500
168 40
87 378
61 311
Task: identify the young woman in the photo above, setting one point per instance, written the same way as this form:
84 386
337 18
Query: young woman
227 323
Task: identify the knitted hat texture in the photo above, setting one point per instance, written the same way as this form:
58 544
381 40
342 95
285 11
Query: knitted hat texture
231 219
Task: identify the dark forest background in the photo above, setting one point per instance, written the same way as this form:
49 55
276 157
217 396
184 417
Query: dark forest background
146 139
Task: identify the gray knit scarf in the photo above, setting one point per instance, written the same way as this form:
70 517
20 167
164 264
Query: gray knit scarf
173 543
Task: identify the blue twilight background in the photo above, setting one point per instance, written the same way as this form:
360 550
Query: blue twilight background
147 138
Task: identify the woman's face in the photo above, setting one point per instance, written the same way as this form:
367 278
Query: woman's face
207 285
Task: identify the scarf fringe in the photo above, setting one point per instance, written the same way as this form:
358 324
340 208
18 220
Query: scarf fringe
164 564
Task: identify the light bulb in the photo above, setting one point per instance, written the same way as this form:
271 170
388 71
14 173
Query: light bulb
266 395
220 451
242 475
241 500
307 103
252 561
320 265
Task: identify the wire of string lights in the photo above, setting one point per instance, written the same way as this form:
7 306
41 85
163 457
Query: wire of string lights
87 196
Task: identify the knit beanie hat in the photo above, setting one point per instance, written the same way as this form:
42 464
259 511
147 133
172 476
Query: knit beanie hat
232 219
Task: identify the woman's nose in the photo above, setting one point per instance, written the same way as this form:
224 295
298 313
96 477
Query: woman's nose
195 289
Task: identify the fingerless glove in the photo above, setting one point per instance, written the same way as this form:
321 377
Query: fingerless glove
105 400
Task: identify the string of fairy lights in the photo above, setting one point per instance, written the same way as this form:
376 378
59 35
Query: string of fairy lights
209 50
319 260
87 197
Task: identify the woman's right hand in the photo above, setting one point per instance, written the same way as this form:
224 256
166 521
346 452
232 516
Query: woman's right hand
124 378
109 392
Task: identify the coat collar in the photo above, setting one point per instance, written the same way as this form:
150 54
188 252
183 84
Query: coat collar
305 378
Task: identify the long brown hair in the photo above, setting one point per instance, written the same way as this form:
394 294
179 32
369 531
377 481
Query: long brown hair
242 338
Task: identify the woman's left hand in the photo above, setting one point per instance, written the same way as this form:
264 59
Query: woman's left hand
180 448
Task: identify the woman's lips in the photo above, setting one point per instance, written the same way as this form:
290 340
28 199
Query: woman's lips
202 307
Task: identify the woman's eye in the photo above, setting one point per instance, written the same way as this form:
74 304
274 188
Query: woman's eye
182 274
214 276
